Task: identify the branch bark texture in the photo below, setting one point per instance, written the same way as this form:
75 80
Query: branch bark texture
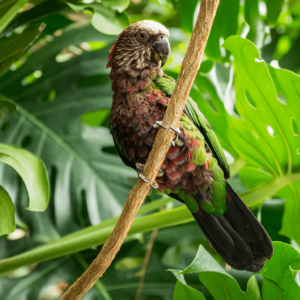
137 195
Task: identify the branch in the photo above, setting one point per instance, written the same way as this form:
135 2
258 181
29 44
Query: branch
137 195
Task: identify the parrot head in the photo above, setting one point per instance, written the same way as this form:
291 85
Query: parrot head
142 45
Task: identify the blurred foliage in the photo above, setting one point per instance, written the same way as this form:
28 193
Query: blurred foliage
55 105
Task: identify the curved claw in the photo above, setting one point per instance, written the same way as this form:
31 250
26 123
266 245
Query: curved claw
159 123
155 185
177 130
141 176
139 166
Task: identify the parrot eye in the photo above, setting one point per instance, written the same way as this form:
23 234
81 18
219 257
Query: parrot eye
142 36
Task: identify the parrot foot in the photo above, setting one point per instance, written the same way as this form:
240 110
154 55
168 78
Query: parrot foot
176 140
158 123
140 168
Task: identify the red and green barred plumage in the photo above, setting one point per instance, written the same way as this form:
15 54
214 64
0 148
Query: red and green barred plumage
190 170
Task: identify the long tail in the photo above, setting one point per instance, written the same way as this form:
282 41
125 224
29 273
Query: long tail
237 236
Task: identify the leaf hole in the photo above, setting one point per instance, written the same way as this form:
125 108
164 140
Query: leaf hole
93 80
271 131
26 142
255 135
295 127
68 53
281 98
262 8
298 151
250 100
5 125
259 59
52 179
110 150
47 96
208 99
31 78
96 118
83 214
222 50
92 46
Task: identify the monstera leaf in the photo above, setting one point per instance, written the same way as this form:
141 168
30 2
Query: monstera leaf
219 283
266 135
108 16
281 274
280 278
227 13
48 123
12 48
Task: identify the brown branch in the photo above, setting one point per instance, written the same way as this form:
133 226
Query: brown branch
137 195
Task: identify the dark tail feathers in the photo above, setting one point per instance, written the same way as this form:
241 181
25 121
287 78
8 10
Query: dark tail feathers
237 236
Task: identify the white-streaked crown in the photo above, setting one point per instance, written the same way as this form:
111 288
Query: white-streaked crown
152 27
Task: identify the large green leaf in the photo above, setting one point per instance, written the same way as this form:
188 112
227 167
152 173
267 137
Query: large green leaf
7 212
227 13
205 95
13 47
120 283
11 13
42 8
83 174
105 19
280 274
33 173
183 291
212 275
253 18
186 11
273 10
266 135
6 103
119 5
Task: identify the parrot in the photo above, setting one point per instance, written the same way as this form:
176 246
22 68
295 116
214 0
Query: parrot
195 170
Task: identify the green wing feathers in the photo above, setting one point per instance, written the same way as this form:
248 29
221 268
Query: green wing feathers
191 108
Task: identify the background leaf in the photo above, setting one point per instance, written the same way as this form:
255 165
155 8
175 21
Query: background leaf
183 291
10 13
14 46
61 88
7 211
212 275
227 13
105 19
33 173
278 282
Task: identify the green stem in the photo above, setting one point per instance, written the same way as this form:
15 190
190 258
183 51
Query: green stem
143 210
235 167
268 189
85 240
97 235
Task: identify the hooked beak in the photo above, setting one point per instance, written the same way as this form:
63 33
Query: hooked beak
160 51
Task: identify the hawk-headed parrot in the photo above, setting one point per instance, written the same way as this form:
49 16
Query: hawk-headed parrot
195 170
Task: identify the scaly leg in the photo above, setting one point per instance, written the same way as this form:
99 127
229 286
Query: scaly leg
140 169
177 141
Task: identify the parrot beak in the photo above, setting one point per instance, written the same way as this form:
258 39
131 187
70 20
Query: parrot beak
160 51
